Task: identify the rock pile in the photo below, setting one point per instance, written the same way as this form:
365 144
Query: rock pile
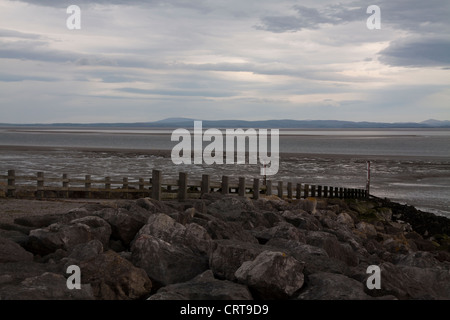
228 247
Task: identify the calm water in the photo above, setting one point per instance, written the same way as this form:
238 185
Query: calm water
409 166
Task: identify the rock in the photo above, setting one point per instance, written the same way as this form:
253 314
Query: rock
230 208
113 277
84 252
13 235
154 206
203 287
301 219
192 236
316 259
346 219
419 259
12 252
272 275
282 230
166 263
67 236
219 229
186 216
366 229
333 247
406 282
124 223
332 286
38 221
309 205
47 286
228 255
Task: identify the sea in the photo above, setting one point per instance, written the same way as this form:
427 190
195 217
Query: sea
410 166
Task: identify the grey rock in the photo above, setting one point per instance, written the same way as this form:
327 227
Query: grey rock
67 236
203 287
12 252
166 263
47 286
332 286
113 277
192 236
228 255
272 275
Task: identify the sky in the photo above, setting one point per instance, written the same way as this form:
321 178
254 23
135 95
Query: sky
140 61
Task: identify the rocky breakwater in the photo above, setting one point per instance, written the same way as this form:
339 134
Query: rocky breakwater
228 247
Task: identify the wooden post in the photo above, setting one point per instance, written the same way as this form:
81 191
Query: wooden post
299 191
225 185
141 187
330 192
268 187
256 189
242 186
341 193
306 193
205 184
65 185
156 184
336 192
182 186
325 191
125 187
319 191
11 191
87 186
40 185
108 187
313 191
289 190
280 189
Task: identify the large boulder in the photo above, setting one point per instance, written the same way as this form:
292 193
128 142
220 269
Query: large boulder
315 259
203 287
406 282
46 286
332 286
67 236
114 278
272 275
228 255
125 222
192 236
230 208
282 230
12 252
166 263
219 229
302 219
333 247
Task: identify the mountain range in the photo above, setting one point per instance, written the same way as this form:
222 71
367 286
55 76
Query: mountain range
279 124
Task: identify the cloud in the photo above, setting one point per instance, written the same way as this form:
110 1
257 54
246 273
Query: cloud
411 15
5 33
422 52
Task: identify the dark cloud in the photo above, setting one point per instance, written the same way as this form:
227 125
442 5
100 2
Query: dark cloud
416 15
423 52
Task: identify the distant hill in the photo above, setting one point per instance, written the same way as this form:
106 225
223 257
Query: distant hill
280 124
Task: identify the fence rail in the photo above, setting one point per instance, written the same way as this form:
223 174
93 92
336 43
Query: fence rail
159 188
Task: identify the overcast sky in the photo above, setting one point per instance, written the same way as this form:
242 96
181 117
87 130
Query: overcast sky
136 61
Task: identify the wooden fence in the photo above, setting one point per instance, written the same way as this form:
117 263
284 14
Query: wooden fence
159 188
